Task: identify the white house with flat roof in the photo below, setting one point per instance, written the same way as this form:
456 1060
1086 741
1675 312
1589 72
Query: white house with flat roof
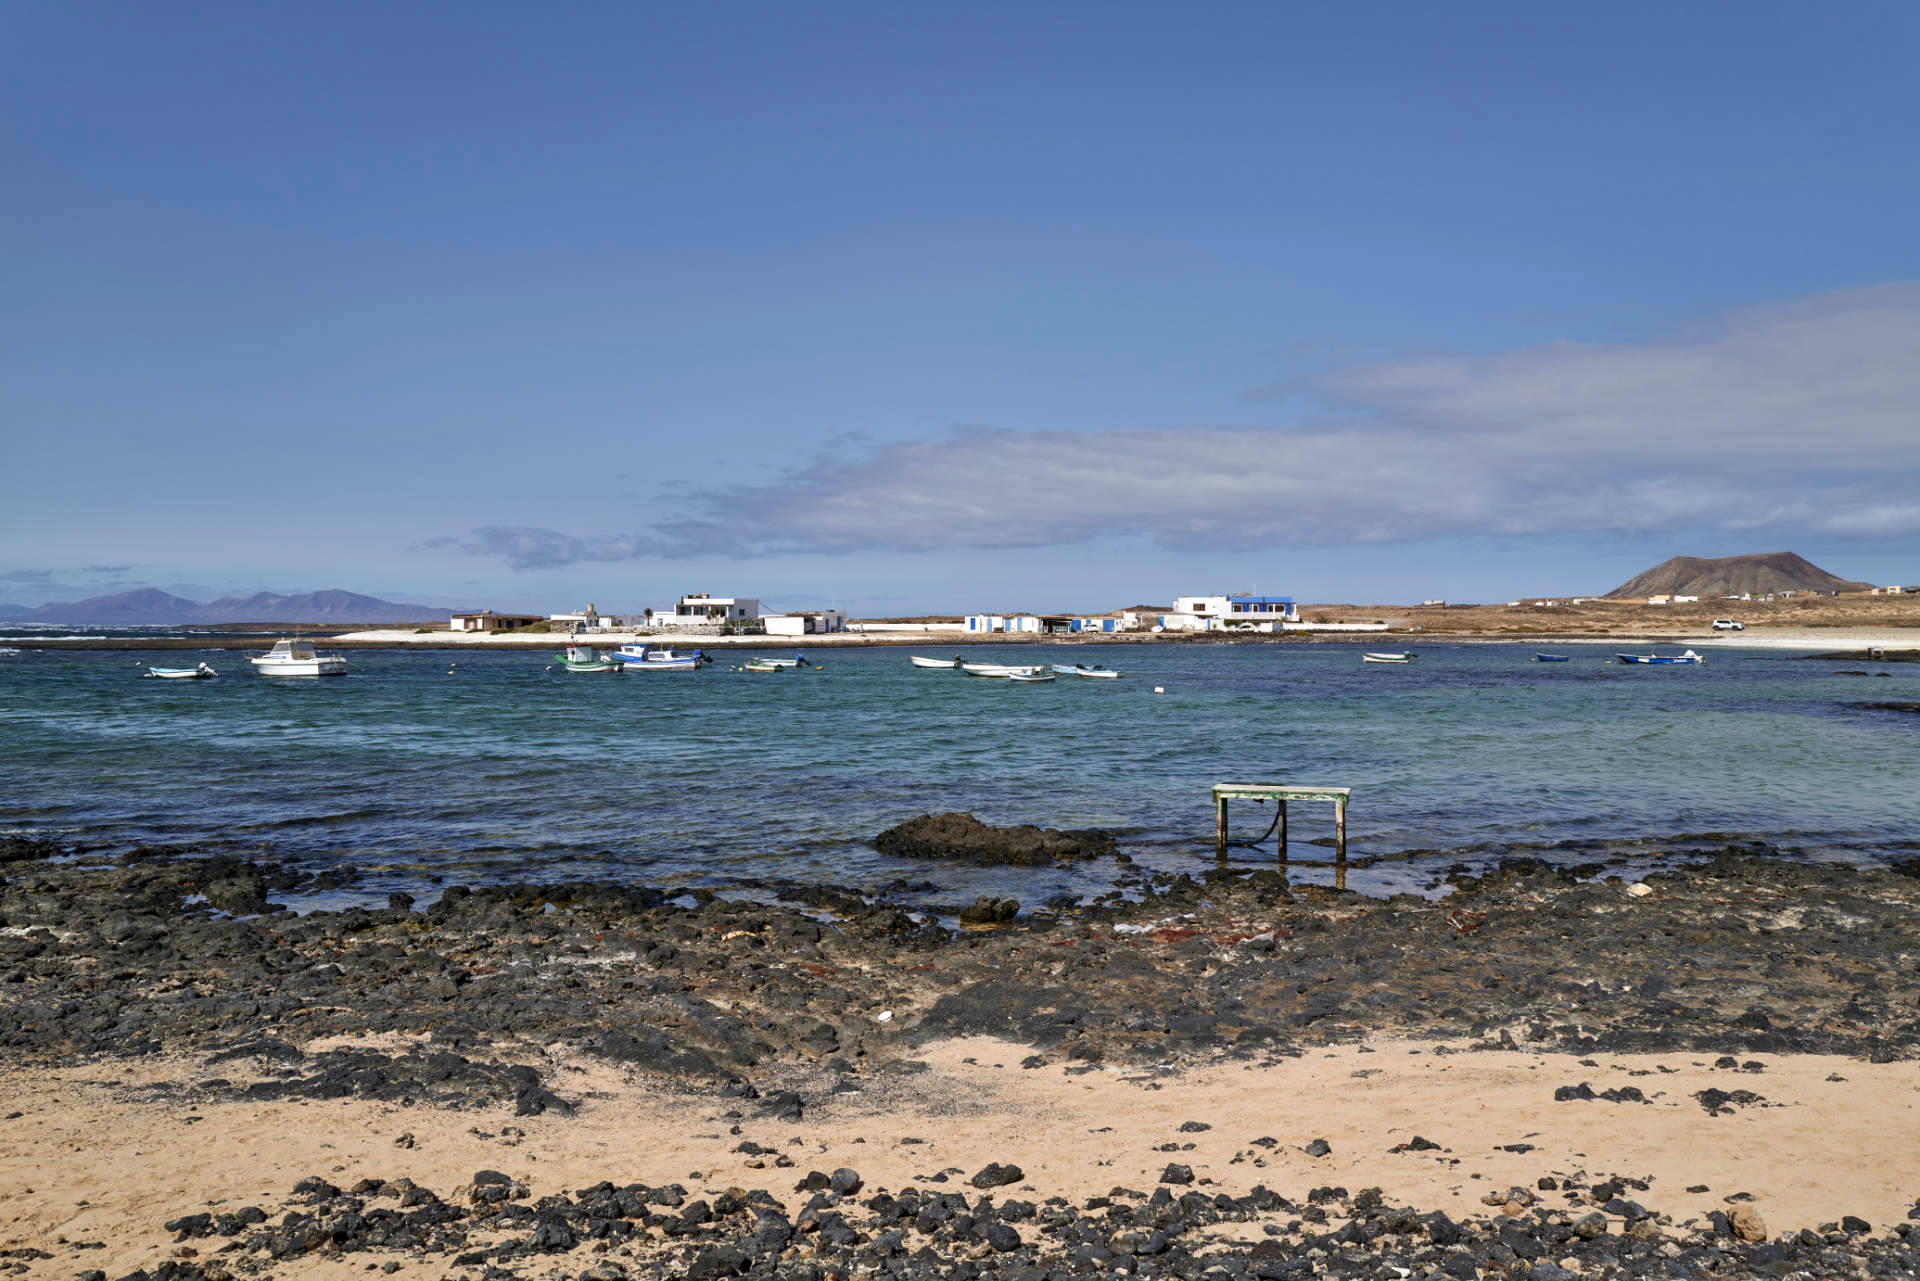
485 620
1217 613
584 620
697 609
812 622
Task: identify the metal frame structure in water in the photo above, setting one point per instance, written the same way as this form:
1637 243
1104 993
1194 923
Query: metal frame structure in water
1281 793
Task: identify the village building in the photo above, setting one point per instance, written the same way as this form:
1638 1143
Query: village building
585 620
814 622
698 609
485 620
1220 613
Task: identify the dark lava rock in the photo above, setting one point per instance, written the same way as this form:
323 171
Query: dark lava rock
990 911
962 836
1319 1147
1177 1174
1717 1102
1002 1238
996 1175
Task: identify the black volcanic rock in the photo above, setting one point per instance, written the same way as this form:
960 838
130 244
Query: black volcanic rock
962 836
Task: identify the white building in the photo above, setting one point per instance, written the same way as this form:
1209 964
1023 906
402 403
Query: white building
485 620
815 622
986 622
1215 613
585 620
697 609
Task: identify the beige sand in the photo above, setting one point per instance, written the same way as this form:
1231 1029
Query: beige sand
91 1160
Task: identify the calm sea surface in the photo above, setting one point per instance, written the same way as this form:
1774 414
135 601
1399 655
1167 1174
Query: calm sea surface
478 766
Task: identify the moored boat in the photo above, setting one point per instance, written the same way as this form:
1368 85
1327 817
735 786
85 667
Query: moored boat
1550 658
949 663
1662 659
1081 669
200 673
1031 678
586 660
1387 658
759 666
297 658
651 658
998 669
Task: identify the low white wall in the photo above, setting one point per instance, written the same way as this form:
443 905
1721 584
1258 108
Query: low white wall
1334 627
906 627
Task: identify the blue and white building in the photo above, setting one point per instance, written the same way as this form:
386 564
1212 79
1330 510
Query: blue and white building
1228 613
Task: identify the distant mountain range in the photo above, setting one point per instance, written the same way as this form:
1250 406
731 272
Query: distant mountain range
150 606
1734 576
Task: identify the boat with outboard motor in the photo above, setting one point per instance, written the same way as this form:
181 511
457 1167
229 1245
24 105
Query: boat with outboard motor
654 658
1662 659
1000 669
1081 669
296 658
200 673
587 660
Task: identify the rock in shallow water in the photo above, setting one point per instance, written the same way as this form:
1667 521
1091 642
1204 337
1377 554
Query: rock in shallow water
962 836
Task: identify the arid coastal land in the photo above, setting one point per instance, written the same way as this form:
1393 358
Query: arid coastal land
1710 1072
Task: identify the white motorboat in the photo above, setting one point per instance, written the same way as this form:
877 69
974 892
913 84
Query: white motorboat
653 658
998 669
1387 658
1081 669
296 658
1031 678
947 663
200 673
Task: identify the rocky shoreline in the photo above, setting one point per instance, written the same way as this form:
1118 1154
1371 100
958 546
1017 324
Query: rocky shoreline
761 1003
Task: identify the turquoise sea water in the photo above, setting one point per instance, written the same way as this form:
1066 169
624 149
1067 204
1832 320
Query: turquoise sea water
504 769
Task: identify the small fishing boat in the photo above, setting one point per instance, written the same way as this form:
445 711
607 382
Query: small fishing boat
650 658
1550 658
1688 657
1387 658
998 669
1081 669
798 660
200 673
1031 678
950 663
296 658
586 660
759 666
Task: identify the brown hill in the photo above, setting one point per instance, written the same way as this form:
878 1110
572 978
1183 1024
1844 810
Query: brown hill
1733 576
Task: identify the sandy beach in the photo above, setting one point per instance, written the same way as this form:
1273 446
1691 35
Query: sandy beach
1714 1064
107 1152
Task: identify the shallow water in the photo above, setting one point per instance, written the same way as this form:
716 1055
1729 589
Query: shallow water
474 766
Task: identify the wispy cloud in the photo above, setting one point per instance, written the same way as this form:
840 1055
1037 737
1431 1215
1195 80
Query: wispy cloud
1798 416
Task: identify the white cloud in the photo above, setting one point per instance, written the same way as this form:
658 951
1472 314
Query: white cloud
1805 415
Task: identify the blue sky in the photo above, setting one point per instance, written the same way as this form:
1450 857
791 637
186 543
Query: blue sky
997 306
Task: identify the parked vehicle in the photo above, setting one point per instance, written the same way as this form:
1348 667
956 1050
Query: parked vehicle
1728 625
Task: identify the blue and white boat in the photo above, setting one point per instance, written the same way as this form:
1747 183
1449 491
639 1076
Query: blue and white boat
1550 658
200 673
1688 657
653 658
1081 669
